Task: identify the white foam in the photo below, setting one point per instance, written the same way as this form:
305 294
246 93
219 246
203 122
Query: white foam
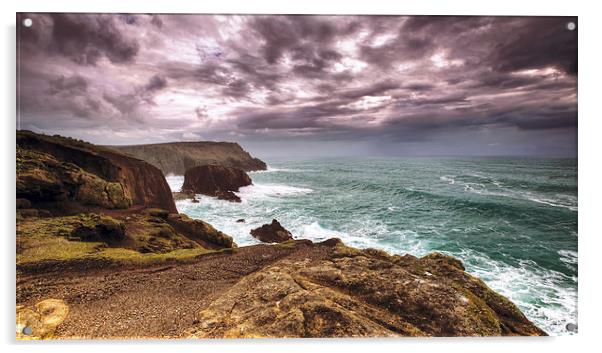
175 182
525 282
448 179
262 191
271 169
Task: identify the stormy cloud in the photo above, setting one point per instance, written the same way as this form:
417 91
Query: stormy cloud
373 85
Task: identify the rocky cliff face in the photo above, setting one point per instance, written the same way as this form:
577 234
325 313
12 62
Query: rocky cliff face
177 157
54 168
215 180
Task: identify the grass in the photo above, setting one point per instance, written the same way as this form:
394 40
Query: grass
41 240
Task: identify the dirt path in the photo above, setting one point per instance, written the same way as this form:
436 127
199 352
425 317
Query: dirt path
151 302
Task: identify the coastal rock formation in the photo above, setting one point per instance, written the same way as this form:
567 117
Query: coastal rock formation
177 157
357 293
272 233
55 168
200 231
215 180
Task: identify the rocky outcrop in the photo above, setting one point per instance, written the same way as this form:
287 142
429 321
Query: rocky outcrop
55 168
43 178
200 231
272 233
215 180
177 157
355 293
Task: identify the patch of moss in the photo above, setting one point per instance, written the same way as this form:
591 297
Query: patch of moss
52 239
289 244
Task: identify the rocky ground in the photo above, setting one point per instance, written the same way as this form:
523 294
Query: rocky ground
293 289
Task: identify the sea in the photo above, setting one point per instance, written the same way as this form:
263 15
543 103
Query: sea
512 221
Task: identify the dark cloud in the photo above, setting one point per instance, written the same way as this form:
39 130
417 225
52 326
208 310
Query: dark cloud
83 38
72 85
155 83
536 43
353 80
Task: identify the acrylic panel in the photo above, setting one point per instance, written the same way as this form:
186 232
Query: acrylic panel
246 176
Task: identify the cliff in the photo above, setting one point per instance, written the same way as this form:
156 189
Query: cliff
56 168
177 157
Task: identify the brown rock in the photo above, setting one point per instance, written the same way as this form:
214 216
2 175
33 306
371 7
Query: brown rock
200 231
23 203
272 233
362 294
109 178
215 180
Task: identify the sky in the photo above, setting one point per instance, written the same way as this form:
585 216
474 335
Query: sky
304 85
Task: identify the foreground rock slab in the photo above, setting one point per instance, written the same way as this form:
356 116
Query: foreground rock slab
362 294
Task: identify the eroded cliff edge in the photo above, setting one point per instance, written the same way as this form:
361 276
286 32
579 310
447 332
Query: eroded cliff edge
177 157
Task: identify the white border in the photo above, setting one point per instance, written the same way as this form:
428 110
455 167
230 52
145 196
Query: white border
589 169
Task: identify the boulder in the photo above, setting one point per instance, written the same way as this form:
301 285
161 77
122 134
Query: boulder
215 180
272 233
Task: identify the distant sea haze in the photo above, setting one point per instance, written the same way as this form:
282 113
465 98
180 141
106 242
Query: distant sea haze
512 221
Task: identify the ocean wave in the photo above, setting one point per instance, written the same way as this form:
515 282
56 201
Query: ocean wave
526 283
275 170
262 191
481 188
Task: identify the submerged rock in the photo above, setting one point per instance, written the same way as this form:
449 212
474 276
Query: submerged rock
272 233
215 180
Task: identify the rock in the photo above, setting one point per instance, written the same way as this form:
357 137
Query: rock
177 157
27 212
41 321
215 180
194 200
183 195
102 228
157 212
200 231
363 294
228 196
272 233
23 203
240 220
55 168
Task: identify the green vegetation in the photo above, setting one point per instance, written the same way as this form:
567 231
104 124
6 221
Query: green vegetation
55 239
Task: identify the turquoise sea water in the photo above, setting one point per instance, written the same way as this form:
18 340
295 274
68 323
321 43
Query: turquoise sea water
512 221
